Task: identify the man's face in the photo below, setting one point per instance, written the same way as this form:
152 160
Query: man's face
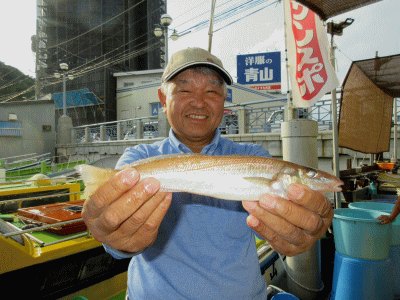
194 104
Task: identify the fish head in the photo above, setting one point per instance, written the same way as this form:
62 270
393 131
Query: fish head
316 179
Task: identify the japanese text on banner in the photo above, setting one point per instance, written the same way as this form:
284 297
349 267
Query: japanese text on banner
311 72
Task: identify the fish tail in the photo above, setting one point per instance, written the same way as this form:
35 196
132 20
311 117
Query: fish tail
94 177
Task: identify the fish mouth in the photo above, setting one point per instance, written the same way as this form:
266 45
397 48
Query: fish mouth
334 187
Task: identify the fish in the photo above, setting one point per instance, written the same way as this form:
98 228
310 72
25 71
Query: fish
227 177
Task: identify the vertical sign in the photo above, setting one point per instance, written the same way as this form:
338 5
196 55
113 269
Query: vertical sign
229 96
155 107
262 71
311 72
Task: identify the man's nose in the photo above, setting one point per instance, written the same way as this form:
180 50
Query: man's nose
198 101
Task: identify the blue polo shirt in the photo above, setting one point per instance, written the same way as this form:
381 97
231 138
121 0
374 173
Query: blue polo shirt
204 248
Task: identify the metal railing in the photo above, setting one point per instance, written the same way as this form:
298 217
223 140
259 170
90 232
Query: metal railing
258 120
137 128
15 231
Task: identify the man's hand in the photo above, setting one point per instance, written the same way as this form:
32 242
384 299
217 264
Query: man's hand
291 226
124 213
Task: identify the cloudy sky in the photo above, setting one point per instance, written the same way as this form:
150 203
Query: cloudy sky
376 28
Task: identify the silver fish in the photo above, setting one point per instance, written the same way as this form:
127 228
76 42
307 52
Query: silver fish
229 177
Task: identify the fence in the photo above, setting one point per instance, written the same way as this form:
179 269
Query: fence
137 128
257 119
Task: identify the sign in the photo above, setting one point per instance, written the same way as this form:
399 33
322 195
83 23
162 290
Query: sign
262 71
155 108
229 96
311 73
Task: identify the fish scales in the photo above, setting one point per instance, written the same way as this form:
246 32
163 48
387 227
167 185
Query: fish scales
242 164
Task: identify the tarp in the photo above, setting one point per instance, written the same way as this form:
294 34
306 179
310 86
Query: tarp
367 104
76 98
330 8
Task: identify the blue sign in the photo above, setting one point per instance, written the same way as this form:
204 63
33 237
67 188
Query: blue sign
260 68
229 96
155 108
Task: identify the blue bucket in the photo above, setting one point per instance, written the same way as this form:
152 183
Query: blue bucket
361 279
284 296
358 234
384 207
394 256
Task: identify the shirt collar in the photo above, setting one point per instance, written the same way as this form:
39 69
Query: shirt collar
182 148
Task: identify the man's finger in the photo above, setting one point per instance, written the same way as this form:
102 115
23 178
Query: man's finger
312 200
294 214
144 223
128 204
106 194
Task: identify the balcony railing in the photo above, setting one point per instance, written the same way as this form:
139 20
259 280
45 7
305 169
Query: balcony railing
257 119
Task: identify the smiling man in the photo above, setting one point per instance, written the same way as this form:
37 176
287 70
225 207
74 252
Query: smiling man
186 246
194 103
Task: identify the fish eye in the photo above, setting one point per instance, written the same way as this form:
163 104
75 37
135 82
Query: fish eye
311 173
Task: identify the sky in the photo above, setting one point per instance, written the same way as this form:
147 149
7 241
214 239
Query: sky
376 28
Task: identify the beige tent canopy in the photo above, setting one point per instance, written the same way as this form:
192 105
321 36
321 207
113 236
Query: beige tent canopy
367 104
330 8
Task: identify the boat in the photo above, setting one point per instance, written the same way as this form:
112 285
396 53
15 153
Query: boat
47 167
47 251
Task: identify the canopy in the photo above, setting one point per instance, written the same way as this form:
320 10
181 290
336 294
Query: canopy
367 104
330 8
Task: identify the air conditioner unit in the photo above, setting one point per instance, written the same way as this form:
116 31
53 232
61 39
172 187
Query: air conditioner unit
12 117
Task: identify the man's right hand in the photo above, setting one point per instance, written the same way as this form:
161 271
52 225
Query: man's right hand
126 213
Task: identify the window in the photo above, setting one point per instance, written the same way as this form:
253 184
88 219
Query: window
10 129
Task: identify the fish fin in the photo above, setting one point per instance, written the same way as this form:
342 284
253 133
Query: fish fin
258 180
94 177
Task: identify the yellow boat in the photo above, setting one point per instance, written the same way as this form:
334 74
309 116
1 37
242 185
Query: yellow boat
39 264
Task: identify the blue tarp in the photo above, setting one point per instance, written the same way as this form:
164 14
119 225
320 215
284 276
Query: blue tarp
76 98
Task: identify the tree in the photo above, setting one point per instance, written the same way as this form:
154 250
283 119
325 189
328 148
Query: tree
15 85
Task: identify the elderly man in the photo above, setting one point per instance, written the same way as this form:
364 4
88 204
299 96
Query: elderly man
186 246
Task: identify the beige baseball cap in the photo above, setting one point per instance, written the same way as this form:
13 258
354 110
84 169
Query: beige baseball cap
189 57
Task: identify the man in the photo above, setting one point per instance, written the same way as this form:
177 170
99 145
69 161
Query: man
185 246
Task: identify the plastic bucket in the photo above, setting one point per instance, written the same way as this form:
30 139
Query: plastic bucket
384 207
361 279
381 206
394 256
358 234
284 296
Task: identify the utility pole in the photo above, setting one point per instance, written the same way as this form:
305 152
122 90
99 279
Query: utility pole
336 29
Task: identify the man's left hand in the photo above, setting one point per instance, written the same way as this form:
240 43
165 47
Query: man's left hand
291 226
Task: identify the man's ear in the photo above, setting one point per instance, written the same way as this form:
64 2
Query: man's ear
163 99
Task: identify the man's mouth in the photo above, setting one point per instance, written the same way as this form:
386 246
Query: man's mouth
197 117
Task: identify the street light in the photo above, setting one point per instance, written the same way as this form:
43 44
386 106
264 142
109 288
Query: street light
64 71
161 29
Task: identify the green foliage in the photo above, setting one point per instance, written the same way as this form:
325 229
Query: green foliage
15 84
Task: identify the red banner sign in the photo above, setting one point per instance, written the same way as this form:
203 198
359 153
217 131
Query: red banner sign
311 72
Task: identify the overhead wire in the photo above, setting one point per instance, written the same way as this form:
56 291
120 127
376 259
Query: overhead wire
14 95
225 14
246 16
98 26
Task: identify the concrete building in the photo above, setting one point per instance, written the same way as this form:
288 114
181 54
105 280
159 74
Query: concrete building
27 127
96 38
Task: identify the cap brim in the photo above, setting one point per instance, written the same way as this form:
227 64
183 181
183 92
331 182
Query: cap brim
225 75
